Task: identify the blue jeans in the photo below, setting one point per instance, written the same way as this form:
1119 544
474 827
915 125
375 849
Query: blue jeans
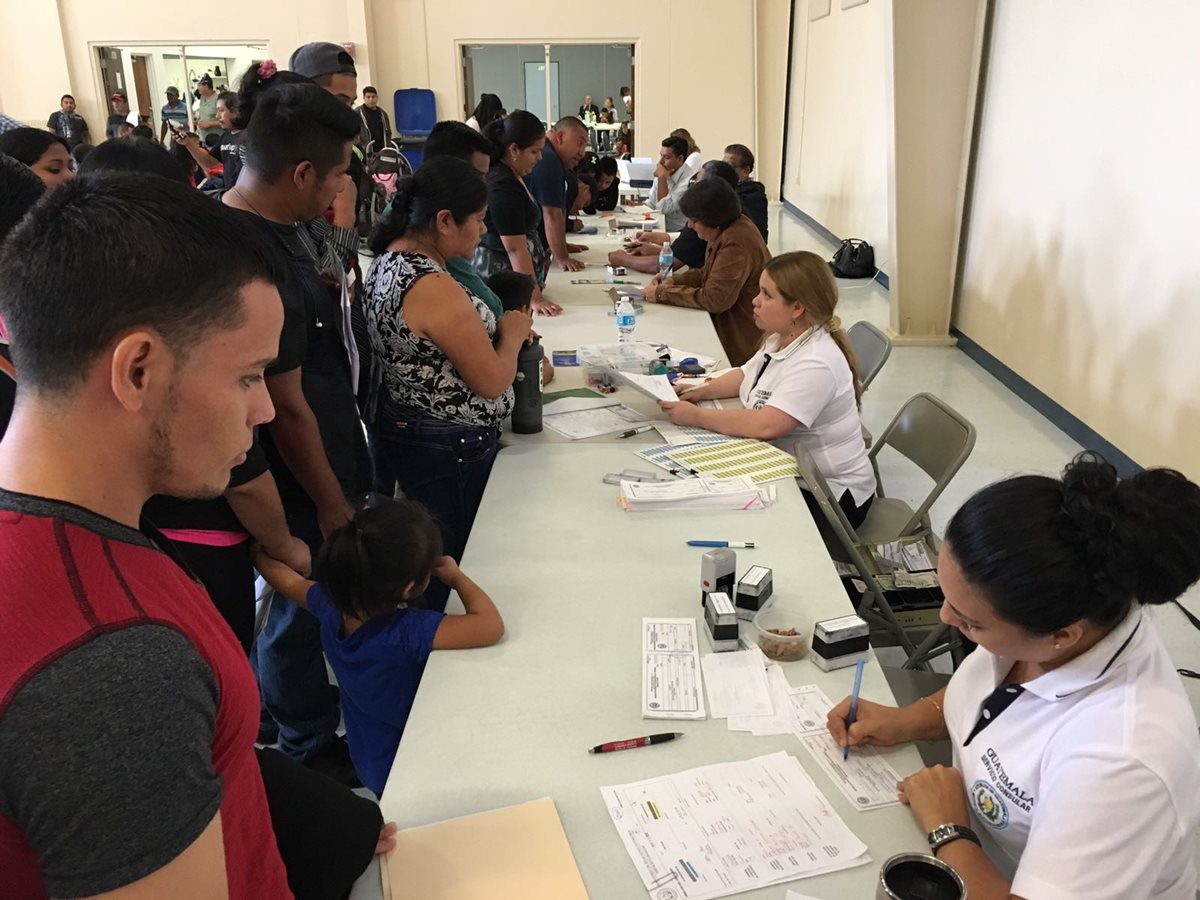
290 666
444 466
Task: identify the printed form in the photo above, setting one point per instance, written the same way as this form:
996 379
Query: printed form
671 683
731 827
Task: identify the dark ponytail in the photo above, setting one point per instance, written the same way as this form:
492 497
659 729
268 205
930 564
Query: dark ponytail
487 109
1048 552
441 183
366 564
521 128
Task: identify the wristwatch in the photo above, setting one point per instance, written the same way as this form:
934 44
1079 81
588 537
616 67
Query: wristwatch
944 834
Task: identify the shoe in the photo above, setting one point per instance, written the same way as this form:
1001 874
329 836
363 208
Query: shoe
333 761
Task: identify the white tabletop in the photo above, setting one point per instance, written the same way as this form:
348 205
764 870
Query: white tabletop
573 575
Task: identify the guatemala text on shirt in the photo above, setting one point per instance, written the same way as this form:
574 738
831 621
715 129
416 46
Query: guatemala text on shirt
1082 782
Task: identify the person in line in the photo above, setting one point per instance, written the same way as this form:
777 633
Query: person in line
205 108
513 220
608 184
375 632
1074 742
79 154
227 158
687 247
375 119
124 130
111 652
68 124
297 152
19 190
175 112
671 178
487 110
121 113
448 363
695 159
142 131
566 144
134 154
728 281
329 66
752 193
45 153
802 386
588 108
623 145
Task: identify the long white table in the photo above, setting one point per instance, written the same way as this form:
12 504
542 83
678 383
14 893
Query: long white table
573 575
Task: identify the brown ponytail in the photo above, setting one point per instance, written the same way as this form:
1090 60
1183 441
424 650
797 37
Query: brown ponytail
804 279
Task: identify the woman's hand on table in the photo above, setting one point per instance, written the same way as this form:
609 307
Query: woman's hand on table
544 307
569 265
875 725
936 796
681 412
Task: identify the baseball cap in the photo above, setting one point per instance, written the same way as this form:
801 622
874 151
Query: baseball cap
117 95
321 58
205 79
173 91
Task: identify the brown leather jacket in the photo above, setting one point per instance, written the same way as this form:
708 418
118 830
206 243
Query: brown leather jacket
725 288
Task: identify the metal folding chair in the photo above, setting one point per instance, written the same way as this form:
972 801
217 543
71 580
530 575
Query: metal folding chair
872 348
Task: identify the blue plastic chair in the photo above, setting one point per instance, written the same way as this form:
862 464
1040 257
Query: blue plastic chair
416 114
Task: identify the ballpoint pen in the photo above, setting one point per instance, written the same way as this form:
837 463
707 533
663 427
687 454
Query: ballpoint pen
853 714
737 545
646 741
641 429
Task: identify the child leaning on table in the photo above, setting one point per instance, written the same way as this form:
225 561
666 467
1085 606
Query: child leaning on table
370 571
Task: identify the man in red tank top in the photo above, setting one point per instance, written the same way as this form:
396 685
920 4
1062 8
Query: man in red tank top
128 712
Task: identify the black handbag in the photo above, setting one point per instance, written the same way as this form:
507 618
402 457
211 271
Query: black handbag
854 259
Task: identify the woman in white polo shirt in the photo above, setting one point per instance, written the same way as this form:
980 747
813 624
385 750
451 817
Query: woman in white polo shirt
1076 756
801 386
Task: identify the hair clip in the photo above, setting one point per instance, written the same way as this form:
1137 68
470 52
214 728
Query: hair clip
267 69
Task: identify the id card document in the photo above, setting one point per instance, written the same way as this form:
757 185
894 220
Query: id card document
866 778
671 683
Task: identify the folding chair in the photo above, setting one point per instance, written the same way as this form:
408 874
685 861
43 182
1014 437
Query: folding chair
872 348
938 440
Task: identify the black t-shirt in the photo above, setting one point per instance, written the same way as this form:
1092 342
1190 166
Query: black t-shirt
605 200
509 210
206 515
689 248
374 120
231 152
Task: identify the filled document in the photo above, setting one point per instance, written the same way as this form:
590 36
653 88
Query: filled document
737 683
866 778
671 683
722 829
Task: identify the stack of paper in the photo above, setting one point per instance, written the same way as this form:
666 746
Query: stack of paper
723 829
737 684
671 684
579 418
794 710
685 435
695 494
656 387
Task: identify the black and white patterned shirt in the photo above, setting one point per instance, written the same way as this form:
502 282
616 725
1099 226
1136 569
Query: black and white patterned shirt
416 372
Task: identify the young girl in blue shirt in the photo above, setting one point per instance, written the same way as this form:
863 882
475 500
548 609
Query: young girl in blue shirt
376 643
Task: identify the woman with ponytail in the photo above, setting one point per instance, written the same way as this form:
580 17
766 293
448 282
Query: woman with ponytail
1075 745
513 240
446 363
370 571
802 386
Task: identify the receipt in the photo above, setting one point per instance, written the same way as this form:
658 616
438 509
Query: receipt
866 778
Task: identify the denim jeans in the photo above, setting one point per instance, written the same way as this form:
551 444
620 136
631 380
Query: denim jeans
290 665
443 465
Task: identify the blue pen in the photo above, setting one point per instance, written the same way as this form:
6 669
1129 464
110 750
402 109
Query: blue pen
737 545
853 706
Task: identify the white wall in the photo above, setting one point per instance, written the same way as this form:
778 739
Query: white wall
837 133
1081 267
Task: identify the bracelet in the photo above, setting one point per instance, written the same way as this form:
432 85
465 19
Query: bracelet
935 706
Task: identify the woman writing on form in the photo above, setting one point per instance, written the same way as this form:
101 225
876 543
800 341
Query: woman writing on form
801 386
1075 746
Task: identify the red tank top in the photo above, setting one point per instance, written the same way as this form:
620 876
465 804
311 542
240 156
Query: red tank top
65 583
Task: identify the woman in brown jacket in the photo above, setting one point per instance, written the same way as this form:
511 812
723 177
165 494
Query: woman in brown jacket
725 287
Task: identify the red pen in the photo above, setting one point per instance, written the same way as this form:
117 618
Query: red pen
613 746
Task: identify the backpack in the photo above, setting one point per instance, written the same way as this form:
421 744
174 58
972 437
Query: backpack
854 259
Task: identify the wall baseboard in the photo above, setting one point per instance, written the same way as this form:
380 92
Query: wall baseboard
1057 415
880 276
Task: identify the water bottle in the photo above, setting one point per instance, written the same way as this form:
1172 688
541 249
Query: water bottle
666 259
626 320
527 390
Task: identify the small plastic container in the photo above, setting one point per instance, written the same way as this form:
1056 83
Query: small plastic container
780 633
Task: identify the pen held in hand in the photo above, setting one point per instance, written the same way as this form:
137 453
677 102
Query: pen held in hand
853 714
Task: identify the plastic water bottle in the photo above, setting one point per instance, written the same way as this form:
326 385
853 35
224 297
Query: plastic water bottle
626 320
666 260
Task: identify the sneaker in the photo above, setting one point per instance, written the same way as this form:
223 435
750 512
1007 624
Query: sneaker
333 761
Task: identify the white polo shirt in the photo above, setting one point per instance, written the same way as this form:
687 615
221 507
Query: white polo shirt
810 380
1088 784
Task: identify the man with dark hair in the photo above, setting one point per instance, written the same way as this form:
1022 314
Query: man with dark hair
752 193
608 184
69 125
175 112
457 139
128 710
120 114
19 190
375 119
207 122
566 143
297 152
671 182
